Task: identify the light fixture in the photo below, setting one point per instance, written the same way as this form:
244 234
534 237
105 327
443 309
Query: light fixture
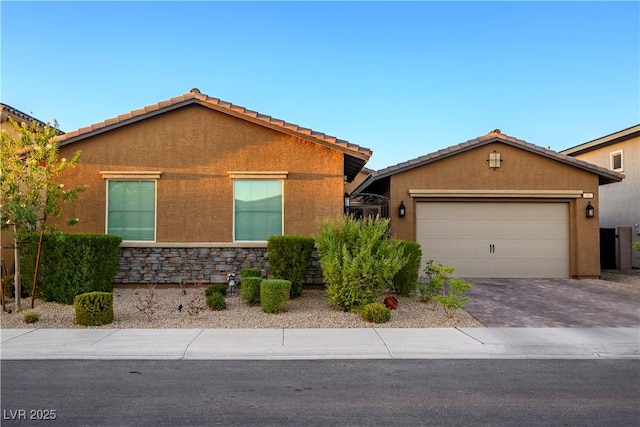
591 211
402 210
494 160
347 201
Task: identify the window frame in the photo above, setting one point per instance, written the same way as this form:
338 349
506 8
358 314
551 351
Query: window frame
612 157
258 177
133 177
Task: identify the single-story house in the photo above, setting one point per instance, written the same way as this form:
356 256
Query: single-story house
196 185
495 206
619 202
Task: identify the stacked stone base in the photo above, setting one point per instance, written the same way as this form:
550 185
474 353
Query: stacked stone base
201 265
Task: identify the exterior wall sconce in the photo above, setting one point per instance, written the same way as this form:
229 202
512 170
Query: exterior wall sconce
494 160
347 202
591 211
402 210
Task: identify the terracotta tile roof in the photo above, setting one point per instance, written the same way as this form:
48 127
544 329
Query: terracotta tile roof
355 156
7 111
606 176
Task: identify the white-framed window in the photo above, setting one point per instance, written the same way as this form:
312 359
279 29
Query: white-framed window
258 205
131 205
616 161
257 209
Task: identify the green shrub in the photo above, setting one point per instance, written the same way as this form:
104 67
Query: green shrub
454 300
289 258
274 294
71 264
376 313
250 272
216 288
443 288
216 301
94 308
8 285
358 260
437 274
31 317
250 290
406 279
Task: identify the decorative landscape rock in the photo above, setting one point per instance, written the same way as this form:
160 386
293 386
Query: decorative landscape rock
391 302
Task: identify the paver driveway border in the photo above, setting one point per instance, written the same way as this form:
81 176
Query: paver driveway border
551 303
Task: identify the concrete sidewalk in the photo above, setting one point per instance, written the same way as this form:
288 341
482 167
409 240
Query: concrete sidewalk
281 344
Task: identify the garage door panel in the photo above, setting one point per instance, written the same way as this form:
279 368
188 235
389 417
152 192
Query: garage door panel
496 239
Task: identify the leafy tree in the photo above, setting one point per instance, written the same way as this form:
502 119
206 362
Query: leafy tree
443 288
30 166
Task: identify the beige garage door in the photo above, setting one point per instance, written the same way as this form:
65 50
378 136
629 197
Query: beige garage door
496 239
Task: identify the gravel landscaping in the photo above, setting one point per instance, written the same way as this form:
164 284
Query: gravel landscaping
309 311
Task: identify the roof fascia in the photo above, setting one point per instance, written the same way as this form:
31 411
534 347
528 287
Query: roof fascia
222 109
605 176
620 136
125 122
283 129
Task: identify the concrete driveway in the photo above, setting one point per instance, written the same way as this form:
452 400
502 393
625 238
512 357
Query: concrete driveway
535 303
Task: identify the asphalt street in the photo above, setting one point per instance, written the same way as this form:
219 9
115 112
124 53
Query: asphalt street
496 392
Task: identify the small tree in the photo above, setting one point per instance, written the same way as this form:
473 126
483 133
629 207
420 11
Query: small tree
443 288
30 165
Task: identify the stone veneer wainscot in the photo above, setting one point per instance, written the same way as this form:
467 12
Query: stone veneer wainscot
188 265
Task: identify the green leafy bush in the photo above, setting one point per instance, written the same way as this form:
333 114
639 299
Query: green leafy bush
250 290
274 294
358 260
437 275
454 300
443 288
250 272
216 301
289 258
31 317
216 288
376 313
94 308
406 279
71 264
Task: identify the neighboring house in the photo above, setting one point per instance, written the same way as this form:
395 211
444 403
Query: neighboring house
619 202
7 112
195 186
497 206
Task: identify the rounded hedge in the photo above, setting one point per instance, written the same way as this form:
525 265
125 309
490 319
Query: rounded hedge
274 294
94 308
376 312
250 290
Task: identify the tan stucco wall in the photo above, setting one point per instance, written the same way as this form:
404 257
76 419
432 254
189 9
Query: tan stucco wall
620 201
520 170
195 148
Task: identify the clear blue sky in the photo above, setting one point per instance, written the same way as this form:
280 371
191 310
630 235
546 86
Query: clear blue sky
403 79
